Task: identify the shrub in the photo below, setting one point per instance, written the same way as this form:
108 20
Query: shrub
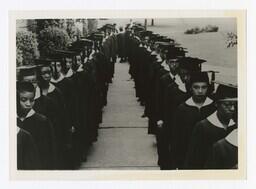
19 58
231 39
196 30
26 47
51 38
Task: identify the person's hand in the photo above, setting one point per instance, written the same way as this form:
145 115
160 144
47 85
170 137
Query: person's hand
160 124
72 130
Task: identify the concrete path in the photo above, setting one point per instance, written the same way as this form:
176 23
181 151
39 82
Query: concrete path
123 142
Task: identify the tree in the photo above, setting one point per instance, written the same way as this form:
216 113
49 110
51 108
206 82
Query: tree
26 48
52 38
19 57
231 39
70 28
45 23
152 22
92 25
145 23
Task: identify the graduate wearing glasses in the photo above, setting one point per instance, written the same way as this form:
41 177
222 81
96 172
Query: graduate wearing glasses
215 127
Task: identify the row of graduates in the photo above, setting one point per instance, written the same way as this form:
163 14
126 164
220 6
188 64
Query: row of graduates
60 100
193 116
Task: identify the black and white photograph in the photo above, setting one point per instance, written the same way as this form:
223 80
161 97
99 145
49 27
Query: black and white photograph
127 94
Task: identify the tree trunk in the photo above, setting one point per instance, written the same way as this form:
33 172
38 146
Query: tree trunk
152 22
92 25
145 24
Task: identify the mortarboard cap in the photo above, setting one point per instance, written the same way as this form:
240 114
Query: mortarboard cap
154 37
108 26
175 52
43 62
25 86
26 67
65 53
55 56
97 37
138 28
199 77
79 46
86 42
191 64
163 45
105 27
137 23
145 33
166 39
226 91
26 70
82 43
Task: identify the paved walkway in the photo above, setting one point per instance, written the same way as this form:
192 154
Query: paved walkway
123 142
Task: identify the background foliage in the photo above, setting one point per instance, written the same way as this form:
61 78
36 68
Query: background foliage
26 47
51 38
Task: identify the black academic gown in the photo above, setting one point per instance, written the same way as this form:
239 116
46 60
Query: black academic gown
27 152
62 127
133 57
94 102
81 137
42 132
121 45
205 134
223 155
184 122
143 76
46 106
150 105
172 98
160 71
164 82
137 71
65 86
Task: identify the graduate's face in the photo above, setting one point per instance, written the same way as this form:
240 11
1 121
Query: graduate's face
146 40
199 90
173 65
56 67
184 75
32 79
155 47
46 73
78 60
68 63
227 108
27 101
162 54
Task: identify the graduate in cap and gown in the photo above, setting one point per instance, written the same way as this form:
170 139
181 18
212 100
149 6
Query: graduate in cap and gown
142 68
121 44
196 108
59 66
150 108
167 80
84 89
63 128
179 90
162 108
43 104
37 125
215 127
224 153
63 61
27 151
176 93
